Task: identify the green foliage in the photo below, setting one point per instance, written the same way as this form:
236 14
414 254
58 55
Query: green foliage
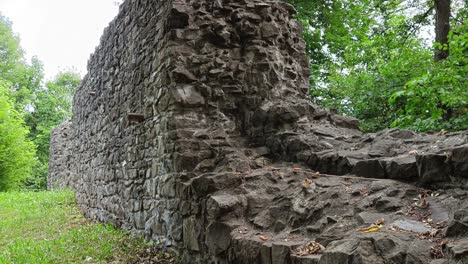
11 54
17 153
364 52
42 107
17 83
52 105
438 98
364 92
24 78
47 227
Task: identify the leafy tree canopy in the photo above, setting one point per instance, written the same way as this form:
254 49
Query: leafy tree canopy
29 110
17 153
367 57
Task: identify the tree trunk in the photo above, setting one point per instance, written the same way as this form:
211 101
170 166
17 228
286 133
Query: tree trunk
442 27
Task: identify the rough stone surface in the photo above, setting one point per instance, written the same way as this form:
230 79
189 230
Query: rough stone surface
61 140
459 250
193 129
412 226
459 224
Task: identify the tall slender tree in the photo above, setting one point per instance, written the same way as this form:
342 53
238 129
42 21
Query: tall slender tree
442 28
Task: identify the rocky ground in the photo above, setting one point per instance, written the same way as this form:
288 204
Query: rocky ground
287 214
390 197
395 203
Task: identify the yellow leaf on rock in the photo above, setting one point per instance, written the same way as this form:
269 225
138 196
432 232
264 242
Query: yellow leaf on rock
372 228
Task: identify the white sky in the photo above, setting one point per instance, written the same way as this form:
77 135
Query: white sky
61 33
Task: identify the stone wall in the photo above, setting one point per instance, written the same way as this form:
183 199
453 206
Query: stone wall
162 104
183 127
60 163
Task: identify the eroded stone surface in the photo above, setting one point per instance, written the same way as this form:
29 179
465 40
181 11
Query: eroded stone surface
229 162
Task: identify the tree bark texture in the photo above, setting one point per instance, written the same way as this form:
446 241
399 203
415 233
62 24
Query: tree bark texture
442 27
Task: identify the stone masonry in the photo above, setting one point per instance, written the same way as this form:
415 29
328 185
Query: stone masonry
193 129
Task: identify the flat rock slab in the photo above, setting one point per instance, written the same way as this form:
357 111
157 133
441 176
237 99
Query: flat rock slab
370 218
412 226
438 212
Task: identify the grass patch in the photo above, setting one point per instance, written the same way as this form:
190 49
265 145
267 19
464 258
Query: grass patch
47 227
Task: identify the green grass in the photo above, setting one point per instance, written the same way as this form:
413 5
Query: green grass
47 227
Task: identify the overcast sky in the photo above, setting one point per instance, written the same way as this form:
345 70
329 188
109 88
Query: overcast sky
62 33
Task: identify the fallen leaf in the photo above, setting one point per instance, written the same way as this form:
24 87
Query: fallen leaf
310 248
296 170
372 228
264 238
438 250
307 182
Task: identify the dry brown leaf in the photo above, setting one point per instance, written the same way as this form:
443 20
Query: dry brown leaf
307 182
438 250
310 248
264 238
296 170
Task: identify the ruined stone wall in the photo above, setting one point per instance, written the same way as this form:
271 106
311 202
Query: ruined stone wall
60 162
183 127
122 120
169 94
